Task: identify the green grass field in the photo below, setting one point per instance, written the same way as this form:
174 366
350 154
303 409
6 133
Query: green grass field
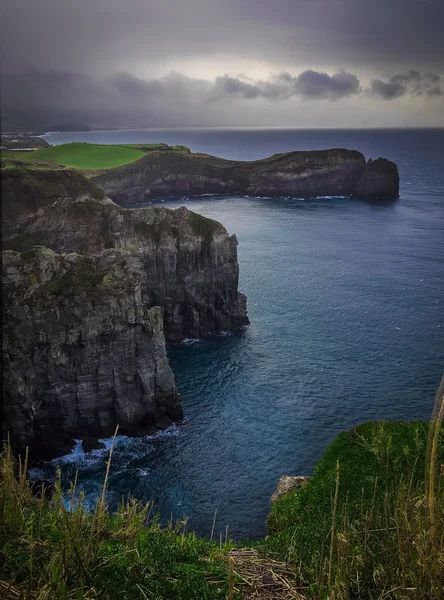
78 155
83 156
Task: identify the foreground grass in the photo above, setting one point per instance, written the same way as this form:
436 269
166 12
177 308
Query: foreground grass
369 524
50 552
83 156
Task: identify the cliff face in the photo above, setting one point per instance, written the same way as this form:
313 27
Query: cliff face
91 292
380 180
336 172
189 263
82 352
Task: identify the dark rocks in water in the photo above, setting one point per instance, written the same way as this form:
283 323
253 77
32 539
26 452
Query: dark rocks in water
335 172
91 293
380 180
91 443
164 422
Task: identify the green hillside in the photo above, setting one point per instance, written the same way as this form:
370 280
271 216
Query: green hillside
83 156
79 155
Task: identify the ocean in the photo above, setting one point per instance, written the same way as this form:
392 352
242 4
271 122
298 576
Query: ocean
346 302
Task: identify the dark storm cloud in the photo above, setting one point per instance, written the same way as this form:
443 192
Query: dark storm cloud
436 91
123 99
312 84
411 83
232 85
97 35
308 84
388 90
152 62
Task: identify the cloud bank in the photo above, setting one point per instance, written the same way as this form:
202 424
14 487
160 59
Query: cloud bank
409 83
124 100
177 62
309 84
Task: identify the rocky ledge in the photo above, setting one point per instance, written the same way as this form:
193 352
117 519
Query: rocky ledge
288 484
335 172
91 294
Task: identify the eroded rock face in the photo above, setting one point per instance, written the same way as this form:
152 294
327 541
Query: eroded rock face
188 263
80 355
335 172
380 180
91 292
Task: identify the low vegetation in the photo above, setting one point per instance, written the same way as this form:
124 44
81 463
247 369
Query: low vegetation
55 551
361 527
83 156
202 226
369 524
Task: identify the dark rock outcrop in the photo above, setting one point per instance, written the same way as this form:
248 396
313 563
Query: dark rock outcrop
288 484
25 191
380 180
91 443
335 172
89 290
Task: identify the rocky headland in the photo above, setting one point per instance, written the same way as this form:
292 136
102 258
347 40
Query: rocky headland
335 172
92 291
91 294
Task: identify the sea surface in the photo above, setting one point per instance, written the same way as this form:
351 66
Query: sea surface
346 301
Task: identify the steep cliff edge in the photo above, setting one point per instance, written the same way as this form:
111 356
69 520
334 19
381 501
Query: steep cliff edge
189 262
82 352
91 292
335 172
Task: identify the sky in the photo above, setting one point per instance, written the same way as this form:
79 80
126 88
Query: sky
191 63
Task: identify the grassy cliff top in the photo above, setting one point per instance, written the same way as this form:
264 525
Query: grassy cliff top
83 156
369 524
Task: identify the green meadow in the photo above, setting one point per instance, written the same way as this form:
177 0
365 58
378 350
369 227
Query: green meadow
83 156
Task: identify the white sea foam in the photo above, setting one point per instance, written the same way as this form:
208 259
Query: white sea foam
190 341
330 198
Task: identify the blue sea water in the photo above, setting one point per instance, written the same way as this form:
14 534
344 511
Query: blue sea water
346 301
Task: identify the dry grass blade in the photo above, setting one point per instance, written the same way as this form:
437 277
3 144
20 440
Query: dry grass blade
9 592
263 578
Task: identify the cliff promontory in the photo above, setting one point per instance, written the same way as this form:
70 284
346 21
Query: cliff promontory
335 172
91 293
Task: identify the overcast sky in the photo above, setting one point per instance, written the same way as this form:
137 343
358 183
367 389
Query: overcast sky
307 63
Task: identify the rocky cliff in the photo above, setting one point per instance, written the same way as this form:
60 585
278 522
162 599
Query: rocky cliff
91 293
25 191
335 172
